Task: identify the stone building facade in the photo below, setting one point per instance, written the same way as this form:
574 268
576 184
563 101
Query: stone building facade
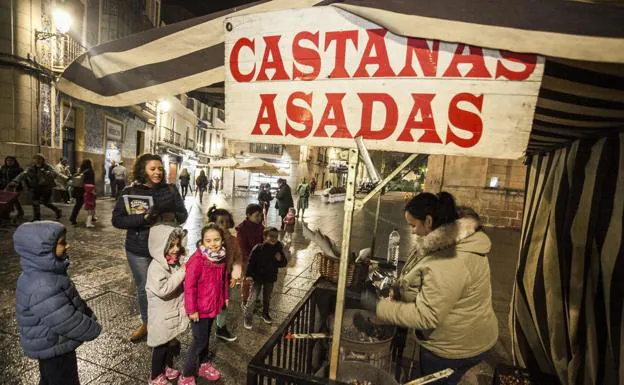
493 187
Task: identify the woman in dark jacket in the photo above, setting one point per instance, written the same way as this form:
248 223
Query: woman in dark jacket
167 206
284 199
86 175
201 184
9 171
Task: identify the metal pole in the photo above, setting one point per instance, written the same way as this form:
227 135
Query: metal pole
383 169
344 263
376 224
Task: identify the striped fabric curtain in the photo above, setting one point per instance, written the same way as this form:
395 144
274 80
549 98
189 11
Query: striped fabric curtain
567 306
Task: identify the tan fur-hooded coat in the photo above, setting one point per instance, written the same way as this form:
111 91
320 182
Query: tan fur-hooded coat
445 292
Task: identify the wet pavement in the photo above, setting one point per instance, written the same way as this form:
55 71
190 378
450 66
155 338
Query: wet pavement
102 276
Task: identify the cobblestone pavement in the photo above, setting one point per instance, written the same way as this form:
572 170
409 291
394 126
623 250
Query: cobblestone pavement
101 274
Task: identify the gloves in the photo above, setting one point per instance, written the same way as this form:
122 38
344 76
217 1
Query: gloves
151 215
368 300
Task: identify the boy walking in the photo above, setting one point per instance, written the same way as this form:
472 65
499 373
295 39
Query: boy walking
265 260
52 318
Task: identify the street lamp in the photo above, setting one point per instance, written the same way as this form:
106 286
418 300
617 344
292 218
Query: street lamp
62 22
164 106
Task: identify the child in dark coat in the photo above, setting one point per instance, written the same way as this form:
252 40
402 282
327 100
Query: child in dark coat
52 318
265 260
249 233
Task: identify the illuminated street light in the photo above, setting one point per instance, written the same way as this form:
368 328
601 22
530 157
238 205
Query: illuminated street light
164 105
62 20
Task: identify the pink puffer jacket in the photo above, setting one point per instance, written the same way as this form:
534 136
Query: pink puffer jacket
205 286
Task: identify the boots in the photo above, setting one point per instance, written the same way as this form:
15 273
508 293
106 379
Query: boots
139 334
90 224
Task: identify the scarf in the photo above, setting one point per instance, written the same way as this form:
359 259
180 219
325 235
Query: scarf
172 260
213 256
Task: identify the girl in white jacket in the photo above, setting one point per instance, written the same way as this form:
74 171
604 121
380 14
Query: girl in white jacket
165 300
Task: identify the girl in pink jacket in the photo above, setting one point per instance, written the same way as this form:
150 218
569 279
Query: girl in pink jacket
205 294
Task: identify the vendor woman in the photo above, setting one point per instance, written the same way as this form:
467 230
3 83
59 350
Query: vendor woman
444 290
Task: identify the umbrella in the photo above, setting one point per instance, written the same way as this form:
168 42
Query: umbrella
225 163
261 166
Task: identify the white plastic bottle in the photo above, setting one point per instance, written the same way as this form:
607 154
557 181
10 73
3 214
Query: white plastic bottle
393 248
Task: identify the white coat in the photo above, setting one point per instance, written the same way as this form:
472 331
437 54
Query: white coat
165 291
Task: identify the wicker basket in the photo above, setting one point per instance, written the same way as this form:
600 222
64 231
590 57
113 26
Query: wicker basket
329 267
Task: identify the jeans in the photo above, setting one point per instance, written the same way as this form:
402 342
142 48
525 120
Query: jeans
60 370
162 357
199 349
266 288
120 184
184 188
79 195
430 363
139 265
113 187
42 197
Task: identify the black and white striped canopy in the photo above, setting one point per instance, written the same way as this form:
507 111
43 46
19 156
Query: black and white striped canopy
582 92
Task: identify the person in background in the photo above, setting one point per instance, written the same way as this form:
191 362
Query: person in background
165 297
121 176
224 220
168 207
284 199
444 291
111 179
217 184
201 184
249 233
205 295
265 198
289 224
185 180
40 178
312 186
265 260
62 168
52 317
9 171
86 176
303 190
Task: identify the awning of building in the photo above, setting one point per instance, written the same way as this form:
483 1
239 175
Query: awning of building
582 93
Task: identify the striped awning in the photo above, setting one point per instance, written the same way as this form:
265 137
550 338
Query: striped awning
583 87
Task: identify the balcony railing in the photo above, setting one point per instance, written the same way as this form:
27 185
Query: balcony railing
190 144
64 50
171 137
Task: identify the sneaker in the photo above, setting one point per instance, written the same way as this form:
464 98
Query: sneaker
160 380
225 334
171 373
207 371
267 319
187 380
247 324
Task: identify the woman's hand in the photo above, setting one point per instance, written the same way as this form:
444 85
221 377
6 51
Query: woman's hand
194 317
227 303
233 283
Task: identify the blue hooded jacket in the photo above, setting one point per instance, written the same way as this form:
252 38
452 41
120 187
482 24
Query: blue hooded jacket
52 317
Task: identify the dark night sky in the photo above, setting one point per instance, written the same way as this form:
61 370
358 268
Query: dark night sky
176 10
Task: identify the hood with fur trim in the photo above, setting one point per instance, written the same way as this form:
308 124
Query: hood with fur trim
461 235
160 236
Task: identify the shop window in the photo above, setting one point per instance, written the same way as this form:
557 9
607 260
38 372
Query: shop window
266 148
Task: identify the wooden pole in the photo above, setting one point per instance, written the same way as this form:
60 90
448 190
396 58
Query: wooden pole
344 263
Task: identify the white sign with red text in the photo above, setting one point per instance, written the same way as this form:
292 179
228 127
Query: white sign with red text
322 76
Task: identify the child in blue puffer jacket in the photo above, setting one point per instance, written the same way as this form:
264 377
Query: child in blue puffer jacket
52 318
